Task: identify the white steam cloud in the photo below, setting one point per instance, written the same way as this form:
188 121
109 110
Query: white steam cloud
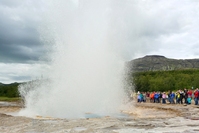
89 40
86 64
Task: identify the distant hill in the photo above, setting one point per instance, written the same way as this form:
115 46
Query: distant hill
161 63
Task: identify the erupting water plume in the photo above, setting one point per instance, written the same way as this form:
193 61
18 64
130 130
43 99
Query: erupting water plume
86 66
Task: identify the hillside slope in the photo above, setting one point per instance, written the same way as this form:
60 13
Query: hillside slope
161 63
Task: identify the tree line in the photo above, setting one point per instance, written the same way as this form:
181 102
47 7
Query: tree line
140 81
164 80
9 90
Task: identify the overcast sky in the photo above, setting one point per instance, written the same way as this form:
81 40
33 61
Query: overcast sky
161 27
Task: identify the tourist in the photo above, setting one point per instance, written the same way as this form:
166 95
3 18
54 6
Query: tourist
138 97
178 97
172 96
189 93
164 98
141 97
156 97
196 94
160 97
151 97
147 96
189 100
181 96
169 96
189 96
185 95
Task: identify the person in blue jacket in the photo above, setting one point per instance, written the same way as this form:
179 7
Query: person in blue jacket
172 96
156 97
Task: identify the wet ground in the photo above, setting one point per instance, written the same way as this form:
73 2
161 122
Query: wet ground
139 118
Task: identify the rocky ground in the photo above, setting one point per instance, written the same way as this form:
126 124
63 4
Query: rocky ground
138 118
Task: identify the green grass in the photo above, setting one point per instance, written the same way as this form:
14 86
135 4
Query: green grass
10 99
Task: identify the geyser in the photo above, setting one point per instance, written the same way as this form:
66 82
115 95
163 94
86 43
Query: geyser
86 66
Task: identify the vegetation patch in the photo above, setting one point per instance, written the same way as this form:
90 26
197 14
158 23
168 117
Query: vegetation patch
10 99
9 90
164 80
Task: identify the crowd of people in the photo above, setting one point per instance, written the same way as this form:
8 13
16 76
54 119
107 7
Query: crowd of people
184 96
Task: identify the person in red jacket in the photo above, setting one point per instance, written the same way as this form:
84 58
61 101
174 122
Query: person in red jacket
196 94
189 93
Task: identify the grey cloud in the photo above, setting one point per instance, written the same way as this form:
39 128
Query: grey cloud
19 37
18 53
141 26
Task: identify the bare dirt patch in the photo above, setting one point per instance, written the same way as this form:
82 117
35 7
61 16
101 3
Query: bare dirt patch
144 117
